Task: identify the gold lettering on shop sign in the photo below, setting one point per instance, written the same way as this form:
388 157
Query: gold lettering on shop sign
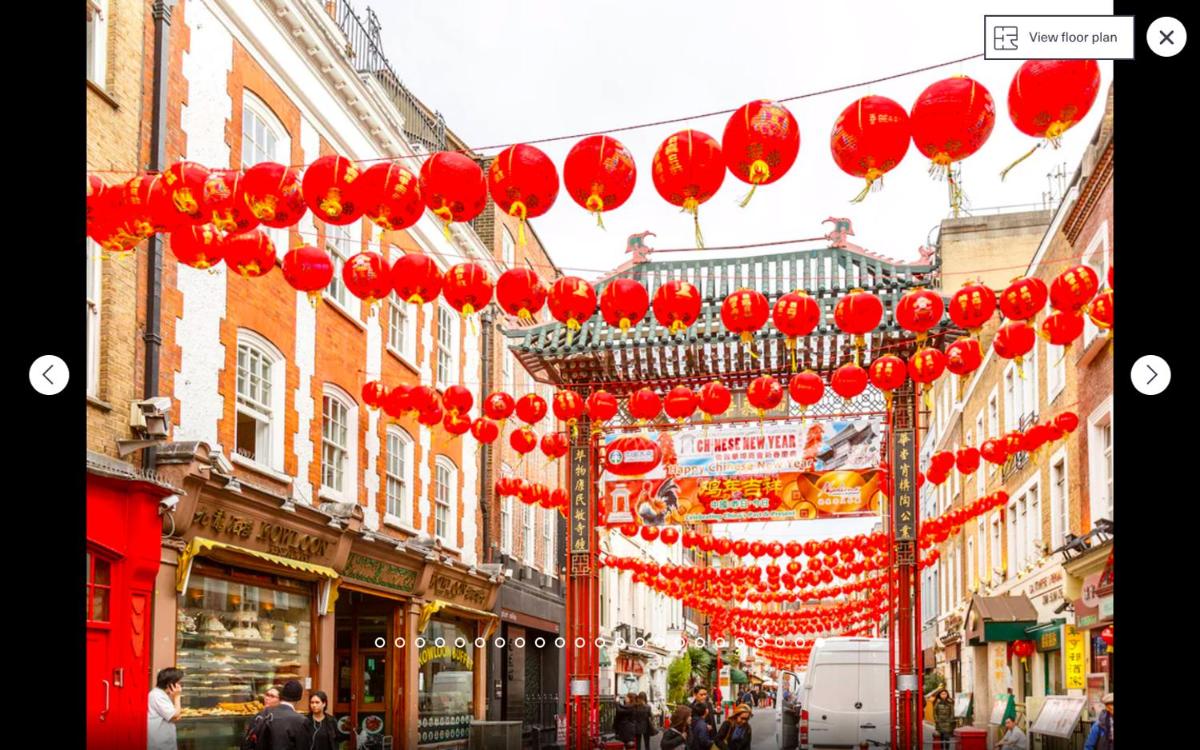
278 540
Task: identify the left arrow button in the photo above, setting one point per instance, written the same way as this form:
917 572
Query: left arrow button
49 375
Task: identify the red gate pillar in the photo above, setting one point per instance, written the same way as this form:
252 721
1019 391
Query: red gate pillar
905 630
583 597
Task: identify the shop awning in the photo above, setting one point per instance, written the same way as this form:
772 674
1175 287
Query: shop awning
435 606
999 618
235 555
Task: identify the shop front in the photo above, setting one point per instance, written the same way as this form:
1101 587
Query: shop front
528 681
993 625
950 639
123 532
631 673
1092 581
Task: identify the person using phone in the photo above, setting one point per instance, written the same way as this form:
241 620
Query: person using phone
165 708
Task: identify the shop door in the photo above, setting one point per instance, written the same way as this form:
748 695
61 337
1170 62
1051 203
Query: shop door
364 691
515 676
100 690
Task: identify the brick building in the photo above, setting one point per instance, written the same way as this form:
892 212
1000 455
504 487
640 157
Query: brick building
1016 554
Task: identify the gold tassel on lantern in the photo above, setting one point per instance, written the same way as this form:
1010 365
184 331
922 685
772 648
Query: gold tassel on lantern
595 204
872 176
692 206
518 209
446 216
760 172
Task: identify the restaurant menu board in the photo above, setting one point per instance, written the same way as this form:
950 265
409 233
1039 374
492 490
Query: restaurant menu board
962 705
792 470
1059 715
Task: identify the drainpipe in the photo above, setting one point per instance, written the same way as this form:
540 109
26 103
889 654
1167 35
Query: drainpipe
161 12
486 486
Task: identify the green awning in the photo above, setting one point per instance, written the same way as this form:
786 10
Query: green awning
738 677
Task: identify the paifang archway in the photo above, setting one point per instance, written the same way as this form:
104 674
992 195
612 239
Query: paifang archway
601 357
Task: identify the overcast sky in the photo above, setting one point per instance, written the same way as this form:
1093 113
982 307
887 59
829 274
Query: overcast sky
510 70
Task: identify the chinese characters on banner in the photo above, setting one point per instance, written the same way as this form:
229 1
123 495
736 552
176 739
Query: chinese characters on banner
904 511
1075 657
742 473
580 519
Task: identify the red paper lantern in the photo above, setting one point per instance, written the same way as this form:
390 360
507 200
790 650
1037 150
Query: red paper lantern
919 310
1023 298
115 226
645 404
849 380
764 393
373 393
760 143
1014 340
1067 421
741 547
423 398
456 424
568 406
677 305
858 313
524 183
870 137
1023 649
649 533
926 366
1107 636
484 430
251 254
389 195
453 187
967 460
1074 288
623 303
327 189
599 174
555 445
1062 327
669 535
498 405
629 529
367 276
601 406
96 188
806 388
198 246
680 403
185 189
523 440
972 306
688 169
273 194
467 288
458 399
307 269
633 455
887 373
223 201
744 312
795 314
1047 97
964 356
941 462
531 408
1101 310
559 498
572 301
714 399
432 415
520 292
145 207
951 120
416 278
398 401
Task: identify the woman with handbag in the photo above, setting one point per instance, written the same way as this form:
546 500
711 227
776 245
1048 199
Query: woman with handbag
646 728
625 723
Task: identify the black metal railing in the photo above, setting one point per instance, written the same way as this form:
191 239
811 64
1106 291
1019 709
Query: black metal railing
364 49
541 727
608 710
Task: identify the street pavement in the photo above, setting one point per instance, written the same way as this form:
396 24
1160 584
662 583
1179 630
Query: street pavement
762 726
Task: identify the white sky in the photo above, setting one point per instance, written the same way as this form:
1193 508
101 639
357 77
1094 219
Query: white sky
513 70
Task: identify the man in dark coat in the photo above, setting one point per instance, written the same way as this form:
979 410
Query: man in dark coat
625 721
700 696
287 728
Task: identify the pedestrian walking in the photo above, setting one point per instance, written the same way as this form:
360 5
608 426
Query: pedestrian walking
625 721
943 718
734 733
699 736
322 727
254 728
285 728
165 708
675 736
1014 738
1101 736
700 695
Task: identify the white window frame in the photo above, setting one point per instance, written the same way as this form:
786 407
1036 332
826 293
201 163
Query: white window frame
399 447
446 346
508 249
254 107
994 412
95 288
956 478
447 504
506 526
97 43
1056 371
1098 245
274 419
548 519
1016 527
339 242
997 559
349 491
973 566
1028 521
982 472
981 534
1012 398
527 537
1098 500
402 330
1060 499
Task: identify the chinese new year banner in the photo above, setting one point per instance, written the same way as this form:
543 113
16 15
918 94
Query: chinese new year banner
780 471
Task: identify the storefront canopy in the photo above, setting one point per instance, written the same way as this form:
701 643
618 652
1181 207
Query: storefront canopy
235 555
999 618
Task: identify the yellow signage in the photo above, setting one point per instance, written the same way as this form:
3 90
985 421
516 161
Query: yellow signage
449 653
1074 658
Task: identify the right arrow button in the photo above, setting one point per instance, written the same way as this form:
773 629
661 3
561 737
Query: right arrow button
1150 375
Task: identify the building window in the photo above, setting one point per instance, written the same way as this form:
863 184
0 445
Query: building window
1096 257
549 518
507 358
443 498
399 468
506 526
1100 461
97 42
1012 399
981 473
1060 505
447 347
997 563
337 242
1016 523
259 435
1056 370
993 415
508 249
971 562
527 537
264 139
336 461
93 318
955 477
981 535
99 588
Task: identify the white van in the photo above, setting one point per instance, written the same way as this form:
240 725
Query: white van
846 694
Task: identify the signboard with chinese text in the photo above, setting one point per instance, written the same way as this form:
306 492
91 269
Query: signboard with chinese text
743 472
904 507
580 522
1074 658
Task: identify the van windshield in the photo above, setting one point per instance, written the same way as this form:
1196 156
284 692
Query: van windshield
834 686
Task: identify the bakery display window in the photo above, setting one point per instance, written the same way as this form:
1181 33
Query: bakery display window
445 683
234 639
